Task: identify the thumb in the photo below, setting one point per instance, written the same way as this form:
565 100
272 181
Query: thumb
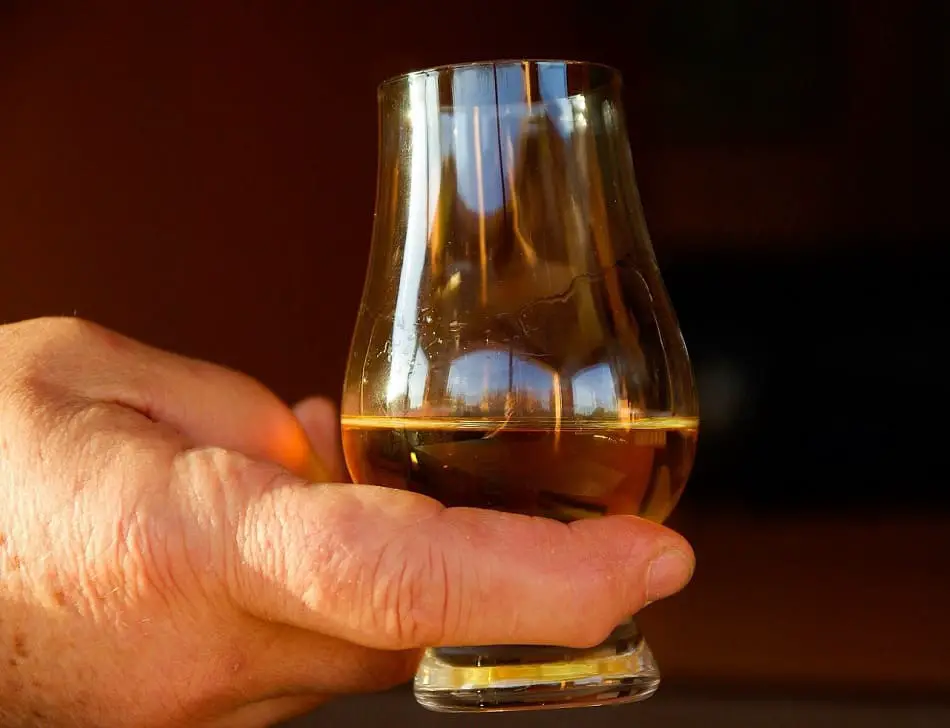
392 569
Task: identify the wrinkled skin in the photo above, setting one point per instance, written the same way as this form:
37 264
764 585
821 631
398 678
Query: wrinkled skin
174 551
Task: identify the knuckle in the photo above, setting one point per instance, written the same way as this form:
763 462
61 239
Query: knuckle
108 543
50 329
412 593
136 566
225 537
70 327
41 351
203 481
73 329
135 558
46 363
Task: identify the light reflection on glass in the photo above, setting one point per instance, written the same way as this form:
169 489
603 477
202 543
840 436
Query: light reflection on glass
594 391
496 380
425 171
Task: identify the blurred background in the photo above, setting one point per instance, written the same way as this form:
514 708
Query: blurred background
202 176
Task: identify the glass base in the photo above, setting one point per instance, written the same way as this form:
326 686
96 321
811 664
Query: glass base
509 678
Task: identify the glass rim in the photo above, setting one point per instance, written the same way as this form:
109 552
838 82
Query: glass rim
611 72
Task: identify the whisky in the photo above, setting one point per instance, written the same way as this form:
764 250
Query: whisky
560 470
565 471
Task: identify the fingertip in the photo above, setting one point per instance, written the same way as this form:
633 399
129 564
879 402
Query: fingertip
670 559
668 573
317 414
515 566
320 422
640 530
655 562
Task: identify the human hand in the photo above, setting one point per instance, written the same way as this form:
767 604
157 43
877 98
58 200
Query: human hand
167 560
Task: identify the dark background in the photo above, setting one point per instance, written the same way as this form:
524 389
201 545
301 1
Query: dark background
201 176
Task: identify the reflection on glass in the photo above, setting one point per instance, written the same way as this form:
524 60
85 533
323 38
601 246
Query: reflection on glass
594 392
494 381
515 347
403 343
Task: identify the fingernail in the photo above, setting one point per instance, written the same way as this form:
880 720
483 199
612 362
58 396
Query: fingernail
668 573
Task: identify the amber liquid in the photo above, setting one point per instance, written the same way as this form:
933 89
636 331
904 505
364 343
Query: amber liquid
581 469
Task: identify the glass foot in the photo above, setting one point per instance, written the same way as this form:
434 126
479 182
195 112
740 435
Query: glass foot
509 678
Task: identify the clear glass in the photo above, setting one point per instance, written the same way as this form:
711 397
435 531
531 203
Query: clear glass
515 347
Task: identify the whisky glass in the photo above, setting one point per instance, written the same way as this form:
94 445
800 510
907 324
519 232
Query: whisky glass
515 347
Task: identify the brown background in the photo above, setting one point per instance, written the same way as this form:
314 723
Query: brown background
201 176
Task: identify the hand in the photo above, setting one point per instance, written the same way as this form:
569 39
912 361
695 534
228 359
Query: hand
166 559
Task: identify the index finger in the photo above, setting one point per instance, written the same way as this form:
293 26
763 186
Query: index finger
209 405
